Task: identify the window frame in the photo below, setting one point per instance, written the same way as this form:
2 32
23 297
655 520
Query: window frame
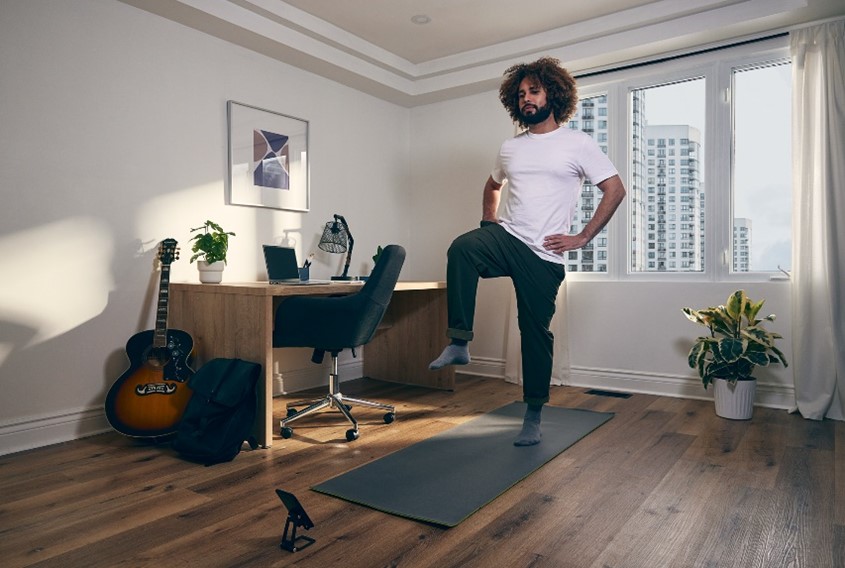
716 67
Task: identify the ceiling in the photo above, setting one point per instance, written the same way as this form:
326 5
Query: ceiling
456 26
374 46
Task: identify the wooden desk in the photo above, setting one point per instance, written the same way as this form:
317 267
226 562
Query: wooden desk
236 320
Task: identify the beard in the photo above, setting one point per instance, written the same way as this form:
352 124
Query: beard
538 116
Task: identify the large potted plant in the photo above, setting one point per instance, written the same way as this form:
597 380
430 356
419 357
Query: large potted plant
210 248
737 344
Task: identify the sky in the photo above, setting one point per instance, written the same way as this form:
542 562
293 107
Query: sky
762 158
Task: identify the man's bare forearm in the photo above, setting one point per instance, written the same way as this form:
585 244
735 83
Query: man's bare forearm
490 200
613 192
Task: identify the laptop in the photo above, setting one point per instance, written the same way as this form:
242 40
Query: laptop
282 267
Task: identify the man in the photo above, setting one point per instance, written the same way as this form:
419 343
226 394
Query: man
544 166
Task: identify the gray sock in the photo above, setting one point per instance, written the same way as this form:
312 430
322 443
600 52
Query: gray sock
452 355
530 434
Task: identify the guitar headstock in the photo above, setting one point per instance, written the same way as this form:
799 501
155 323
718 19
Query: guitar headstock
168 251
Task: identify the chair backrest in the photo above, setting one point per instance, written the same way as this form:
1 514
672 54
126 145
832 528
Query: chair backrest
339 322
379 287
376 293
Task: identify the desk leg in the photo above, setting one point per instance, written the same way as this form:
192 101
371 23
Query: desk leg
412 335
231 326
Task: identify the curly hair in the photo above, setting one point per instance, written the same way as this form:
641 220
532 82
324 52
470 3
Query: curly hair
561 92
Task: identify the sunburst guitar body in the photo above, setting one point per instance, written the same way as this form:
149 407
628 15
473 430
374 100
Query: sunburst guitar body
149 398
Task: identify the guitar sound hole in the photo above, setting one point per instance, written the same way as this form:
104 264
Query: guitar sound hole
158 357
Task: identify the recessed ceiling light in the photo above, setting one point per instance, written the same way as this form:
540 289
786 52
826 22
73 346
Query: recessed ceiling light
420 19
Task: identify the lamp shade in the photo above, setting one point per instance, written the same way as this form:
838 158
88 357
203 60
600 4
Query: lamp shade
334 238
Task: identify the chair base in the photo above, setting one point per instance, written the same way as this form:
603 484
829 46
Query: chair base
334 399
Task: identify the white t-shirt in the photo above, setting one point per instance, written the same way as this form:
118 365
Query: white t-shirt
544 173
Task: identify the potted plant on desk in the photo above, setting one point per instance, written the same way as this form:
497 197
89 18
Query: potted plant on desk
737 344
376 257
210 248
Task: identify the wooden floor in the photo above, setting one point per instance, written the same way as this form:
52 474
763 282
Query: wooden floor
664 484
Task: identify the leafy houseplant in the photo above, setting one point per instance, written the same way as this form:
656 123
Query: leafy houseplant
377 256
212 244
210 248
738 342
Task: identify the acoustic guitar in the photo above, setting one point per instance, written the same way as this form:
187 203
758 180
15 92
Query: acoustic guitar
148 399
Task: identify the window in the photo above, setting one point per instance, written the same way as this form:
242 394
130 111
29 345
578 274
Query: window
670 114
705 154
762 168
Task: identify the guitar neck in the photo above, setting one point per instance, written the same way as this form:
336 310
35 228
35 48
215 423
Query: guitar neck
160 334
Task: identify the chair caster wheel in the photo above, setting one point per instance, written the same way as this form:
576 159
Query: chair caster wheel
389 417
286 432
291 412
351 435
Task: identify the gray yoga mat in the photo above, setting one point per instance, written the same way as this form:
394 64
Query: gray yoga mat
446 478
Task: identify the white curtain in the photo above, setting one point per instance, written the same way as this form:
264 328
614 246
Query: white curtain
513 355
818 290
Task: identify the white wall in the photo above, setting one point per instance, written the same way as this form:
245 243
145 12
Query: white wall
453 147
632 336
113 138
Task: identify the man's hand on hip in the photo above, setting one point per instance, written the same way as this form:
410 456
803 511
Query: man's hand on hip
561 243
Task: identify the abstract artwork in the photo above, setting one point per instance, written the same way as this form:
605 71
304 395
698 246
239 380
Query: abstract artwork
270 152
268 159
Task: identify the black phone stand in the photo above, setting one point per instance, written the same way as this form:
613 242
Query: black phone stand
297 517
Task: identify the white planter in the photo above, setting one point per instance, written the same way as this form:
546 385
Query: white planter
734 401
211 273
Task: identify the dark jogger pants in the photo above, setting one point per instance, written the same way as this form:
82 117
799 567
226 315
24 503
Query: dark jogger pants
491 252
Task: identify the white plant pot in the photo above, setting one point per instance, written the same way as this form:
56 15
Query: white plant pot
211 273
734 401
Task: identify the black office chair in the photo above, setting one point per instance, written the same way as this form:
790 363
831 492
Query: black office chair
335 323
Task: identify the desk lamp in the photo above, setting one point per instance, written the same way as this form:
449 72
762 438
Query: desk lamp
337 238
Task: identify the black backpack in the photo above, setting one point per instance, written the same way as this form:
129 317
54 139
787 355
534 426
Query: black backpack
221 412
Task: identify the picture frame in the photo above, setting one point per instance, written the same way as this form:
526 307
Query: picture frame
268 159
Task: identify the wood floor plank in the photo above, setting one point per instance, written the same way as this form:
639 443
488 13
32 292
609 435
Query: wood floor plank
665 483
812 434
53 539
599 502
731 528
759 454
692 417
668 517
801 532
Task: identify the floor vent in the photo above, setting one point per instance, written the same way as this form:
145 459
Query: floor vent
609 393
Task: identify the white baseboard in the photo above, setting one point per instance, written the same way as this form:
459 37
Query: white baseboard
484 367
678 386
34 432
315 376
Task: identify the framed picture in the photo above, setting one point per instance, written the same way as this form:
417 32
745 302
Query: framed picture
268 158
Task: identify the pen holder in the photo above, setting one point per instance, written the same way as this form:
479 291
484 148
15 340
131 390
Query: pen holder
305 274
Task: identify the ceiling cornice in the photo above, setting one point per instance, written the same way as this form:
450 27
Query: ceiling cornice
283 32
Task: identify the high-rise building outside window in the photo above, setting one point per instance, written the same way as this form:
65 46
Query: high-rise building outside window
588 108
670 115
